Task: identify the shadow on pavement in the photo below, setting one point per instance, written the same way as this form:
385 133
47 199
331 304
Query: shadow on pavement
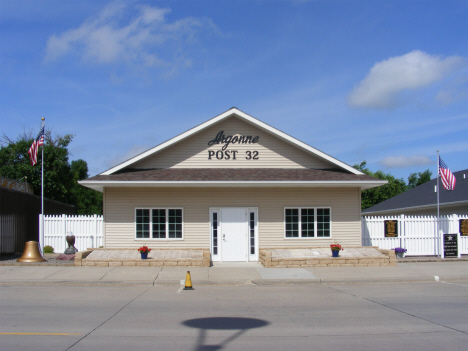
222 323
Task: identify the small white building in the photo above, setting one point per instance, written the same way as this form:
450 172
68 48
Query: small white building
234 185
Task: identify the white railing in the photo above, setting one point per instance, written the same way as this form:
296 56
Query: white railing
417 234
88 231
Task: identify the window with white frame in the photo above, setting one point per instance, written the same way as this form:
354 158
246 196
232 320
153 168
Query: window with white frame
158 223
308 222
252 232
215 232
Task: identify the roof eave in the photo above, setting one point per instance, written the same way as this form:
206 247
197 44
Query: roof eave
100 185
421 207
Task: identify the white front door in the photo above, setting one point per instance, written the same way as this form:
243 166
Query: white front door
234 234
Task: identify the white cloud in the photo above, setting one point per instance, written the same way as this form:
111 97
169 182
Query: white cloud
406 161
147 39
382 87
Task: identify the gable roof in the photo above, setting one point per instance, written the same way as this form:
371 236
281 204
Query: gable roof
233 111
424 196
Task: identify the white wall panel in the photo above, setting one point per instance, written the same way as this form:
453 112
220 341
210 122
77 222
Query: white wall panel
194 151
121 203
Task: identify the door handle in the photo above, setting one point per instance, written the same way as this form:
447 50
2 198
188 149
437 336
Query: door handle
224 237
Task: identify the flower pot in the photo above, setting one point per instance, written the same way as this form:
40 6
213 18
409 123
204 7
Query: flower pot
400 254
335 253
144 255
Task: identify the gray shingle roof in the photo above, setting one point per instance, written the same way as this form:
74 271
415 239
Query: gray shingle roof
425 195
232 174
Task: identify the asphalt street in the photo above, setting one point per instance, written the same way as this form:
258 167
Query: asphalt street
372 316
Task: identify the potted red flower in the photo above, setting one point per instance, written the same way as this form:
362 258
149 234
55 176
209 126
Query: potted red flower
144 250
335 249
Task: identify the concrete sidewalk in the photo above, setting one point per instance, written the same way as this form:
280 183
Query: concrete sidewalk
231 274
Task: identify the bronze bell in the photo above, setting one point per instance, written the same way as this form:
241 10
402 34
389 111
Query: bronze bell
31 253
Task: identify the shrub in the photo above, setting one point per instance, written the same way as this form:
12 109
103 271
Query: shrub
48 249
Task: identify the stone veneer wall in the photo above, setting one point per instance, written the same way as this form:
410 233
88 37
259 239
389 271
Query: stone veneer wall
80 260
265 258
267 261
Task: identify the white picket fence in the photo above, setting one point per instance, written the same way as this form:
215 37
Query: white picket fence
88 231
417 234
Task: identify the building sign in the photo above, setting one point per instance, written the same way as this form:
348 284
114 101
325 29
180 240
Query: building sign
16 185
463 227
450 245
225 141
391 229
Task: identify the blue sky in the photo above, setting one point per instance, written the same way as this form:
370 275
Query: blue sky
381 81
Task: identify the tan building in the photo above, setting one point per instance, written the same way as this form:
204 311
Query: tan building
232 184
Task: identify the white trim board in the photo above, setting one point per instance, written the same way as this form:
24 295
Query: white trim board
99 185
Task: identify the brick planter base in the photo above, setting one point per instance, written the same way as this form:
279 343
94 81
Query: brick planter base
202 260
270 261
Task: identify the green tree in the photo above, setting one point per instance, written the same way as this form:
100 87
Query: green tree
371 197
60 181
87 201
416 179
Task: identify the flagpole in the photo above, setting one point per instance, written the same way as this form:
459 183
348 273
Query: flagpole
438 232
41 239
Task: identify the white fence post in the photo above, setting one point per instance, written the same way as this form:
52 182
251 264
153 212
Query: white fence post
463 246
454 224
64 231
94 239
41 235
401 230
101 232
436 241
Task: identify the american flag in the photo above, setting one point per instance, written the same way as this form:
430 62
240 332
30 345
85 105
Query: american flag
448 179
39 141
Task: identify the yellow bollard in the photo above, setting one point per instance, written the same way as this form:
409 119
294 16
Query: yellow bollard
188 282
